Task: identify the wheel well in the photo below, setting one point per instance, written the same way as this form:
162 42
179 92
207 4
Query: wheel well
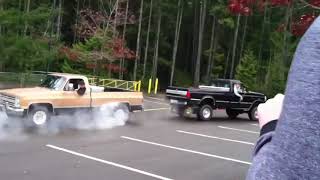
207 101
47 105
255 104
126 104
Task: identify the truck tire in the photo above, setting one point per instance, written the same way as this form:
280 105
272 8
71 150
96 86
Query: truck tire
38 116
253 114
181 113
232 114
205 113
121 112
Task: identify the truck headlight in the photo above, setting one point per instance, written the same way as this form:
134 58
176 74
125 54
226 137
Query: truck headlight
265 98
17 103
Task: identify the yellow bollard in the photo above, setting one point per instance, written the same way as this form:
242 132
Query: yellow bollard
156 86
135 86
150 84
139 86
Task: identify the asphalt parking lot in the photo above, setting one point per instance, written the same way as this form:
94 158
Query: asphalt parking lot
154 144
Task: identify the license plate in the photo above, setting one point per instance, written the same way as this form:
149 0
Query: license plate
172 101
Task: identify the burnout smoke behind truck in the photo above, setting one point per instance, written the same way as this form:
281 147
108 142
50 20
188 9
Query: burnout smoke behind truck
105 117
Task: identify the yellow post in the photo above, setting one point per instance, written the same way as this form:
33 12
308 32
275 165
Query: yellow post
135 86
150 84
139 86
156 86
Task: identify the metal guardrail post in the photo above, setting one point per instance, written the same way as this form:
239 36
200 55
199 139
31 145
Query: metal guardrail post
135 86
139 86
156 86
149 87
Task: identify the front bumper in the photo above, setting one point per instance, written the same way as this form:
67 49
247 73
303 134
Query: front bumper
11 111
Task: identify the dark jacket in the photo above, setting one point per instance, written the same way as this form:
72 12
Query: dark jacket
292 151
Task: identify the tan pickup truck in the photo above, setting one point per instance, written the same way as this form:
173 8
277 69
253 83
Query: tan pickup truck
59 93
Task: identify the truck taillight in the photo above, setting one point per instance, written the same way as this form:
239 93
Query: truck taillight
188 95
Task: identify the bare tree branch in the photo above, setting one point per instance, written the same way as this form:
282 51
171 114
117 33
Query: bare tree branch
308 4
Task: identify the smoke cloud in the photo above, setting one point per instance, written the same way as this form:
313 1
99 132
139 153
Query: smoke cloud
106 117
11 129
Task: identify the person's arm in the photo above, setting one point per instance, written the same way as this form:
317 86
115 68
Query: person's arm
293 150
235 90
269 114
266 134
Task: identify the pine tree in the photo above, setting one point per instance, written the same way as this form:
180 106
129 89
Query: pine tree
247 70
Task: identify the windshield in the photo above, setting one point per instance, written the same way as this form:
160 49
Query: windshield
53 82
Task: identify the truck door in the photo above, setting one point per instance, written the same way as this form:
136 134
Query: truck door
236 100
222 93
71 99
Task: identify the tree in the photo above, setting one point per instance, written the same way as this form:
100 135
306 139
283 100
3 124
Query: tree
24 54
1 9
176 39
156 49
147 40
213 42
96 33
138 42
200 37
247 70
27 10
59 20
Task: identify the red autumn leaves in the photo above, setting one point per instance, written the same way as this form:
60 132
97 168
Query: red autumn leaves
315 3
117 51
242 7
111 67
120 51
280 2
298 27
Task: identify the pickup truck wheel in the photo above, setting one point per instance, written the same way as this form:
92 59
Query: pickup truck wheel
180 113
205 113
38 117
253 114
232 114
121 112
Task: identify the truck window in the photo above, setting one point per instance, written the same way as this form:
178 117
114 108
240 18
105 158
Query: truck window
74 85
53 82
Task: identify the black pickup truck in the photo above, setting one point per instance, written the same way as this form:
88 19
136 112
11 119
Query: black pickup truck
219 94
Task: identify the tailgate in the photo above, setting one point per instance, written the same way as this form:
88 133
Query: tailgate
176 93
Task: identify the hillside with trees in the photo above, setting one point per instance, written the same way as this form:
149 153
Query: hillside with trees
182 42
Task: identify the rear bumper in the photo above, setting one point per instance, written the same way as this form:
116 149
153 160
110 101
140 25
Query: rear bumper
136 108
179 106
12 111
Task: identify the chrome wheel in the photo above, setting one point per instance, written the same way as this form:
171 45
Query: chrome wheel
121 113
206 113
253 114
256 114
39 118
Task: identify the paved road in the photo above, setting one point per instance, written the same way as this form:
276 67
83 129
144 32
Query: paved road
153 145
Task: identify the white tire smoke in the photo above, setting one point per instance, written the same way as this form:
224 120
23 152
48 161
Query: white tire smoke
106 117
